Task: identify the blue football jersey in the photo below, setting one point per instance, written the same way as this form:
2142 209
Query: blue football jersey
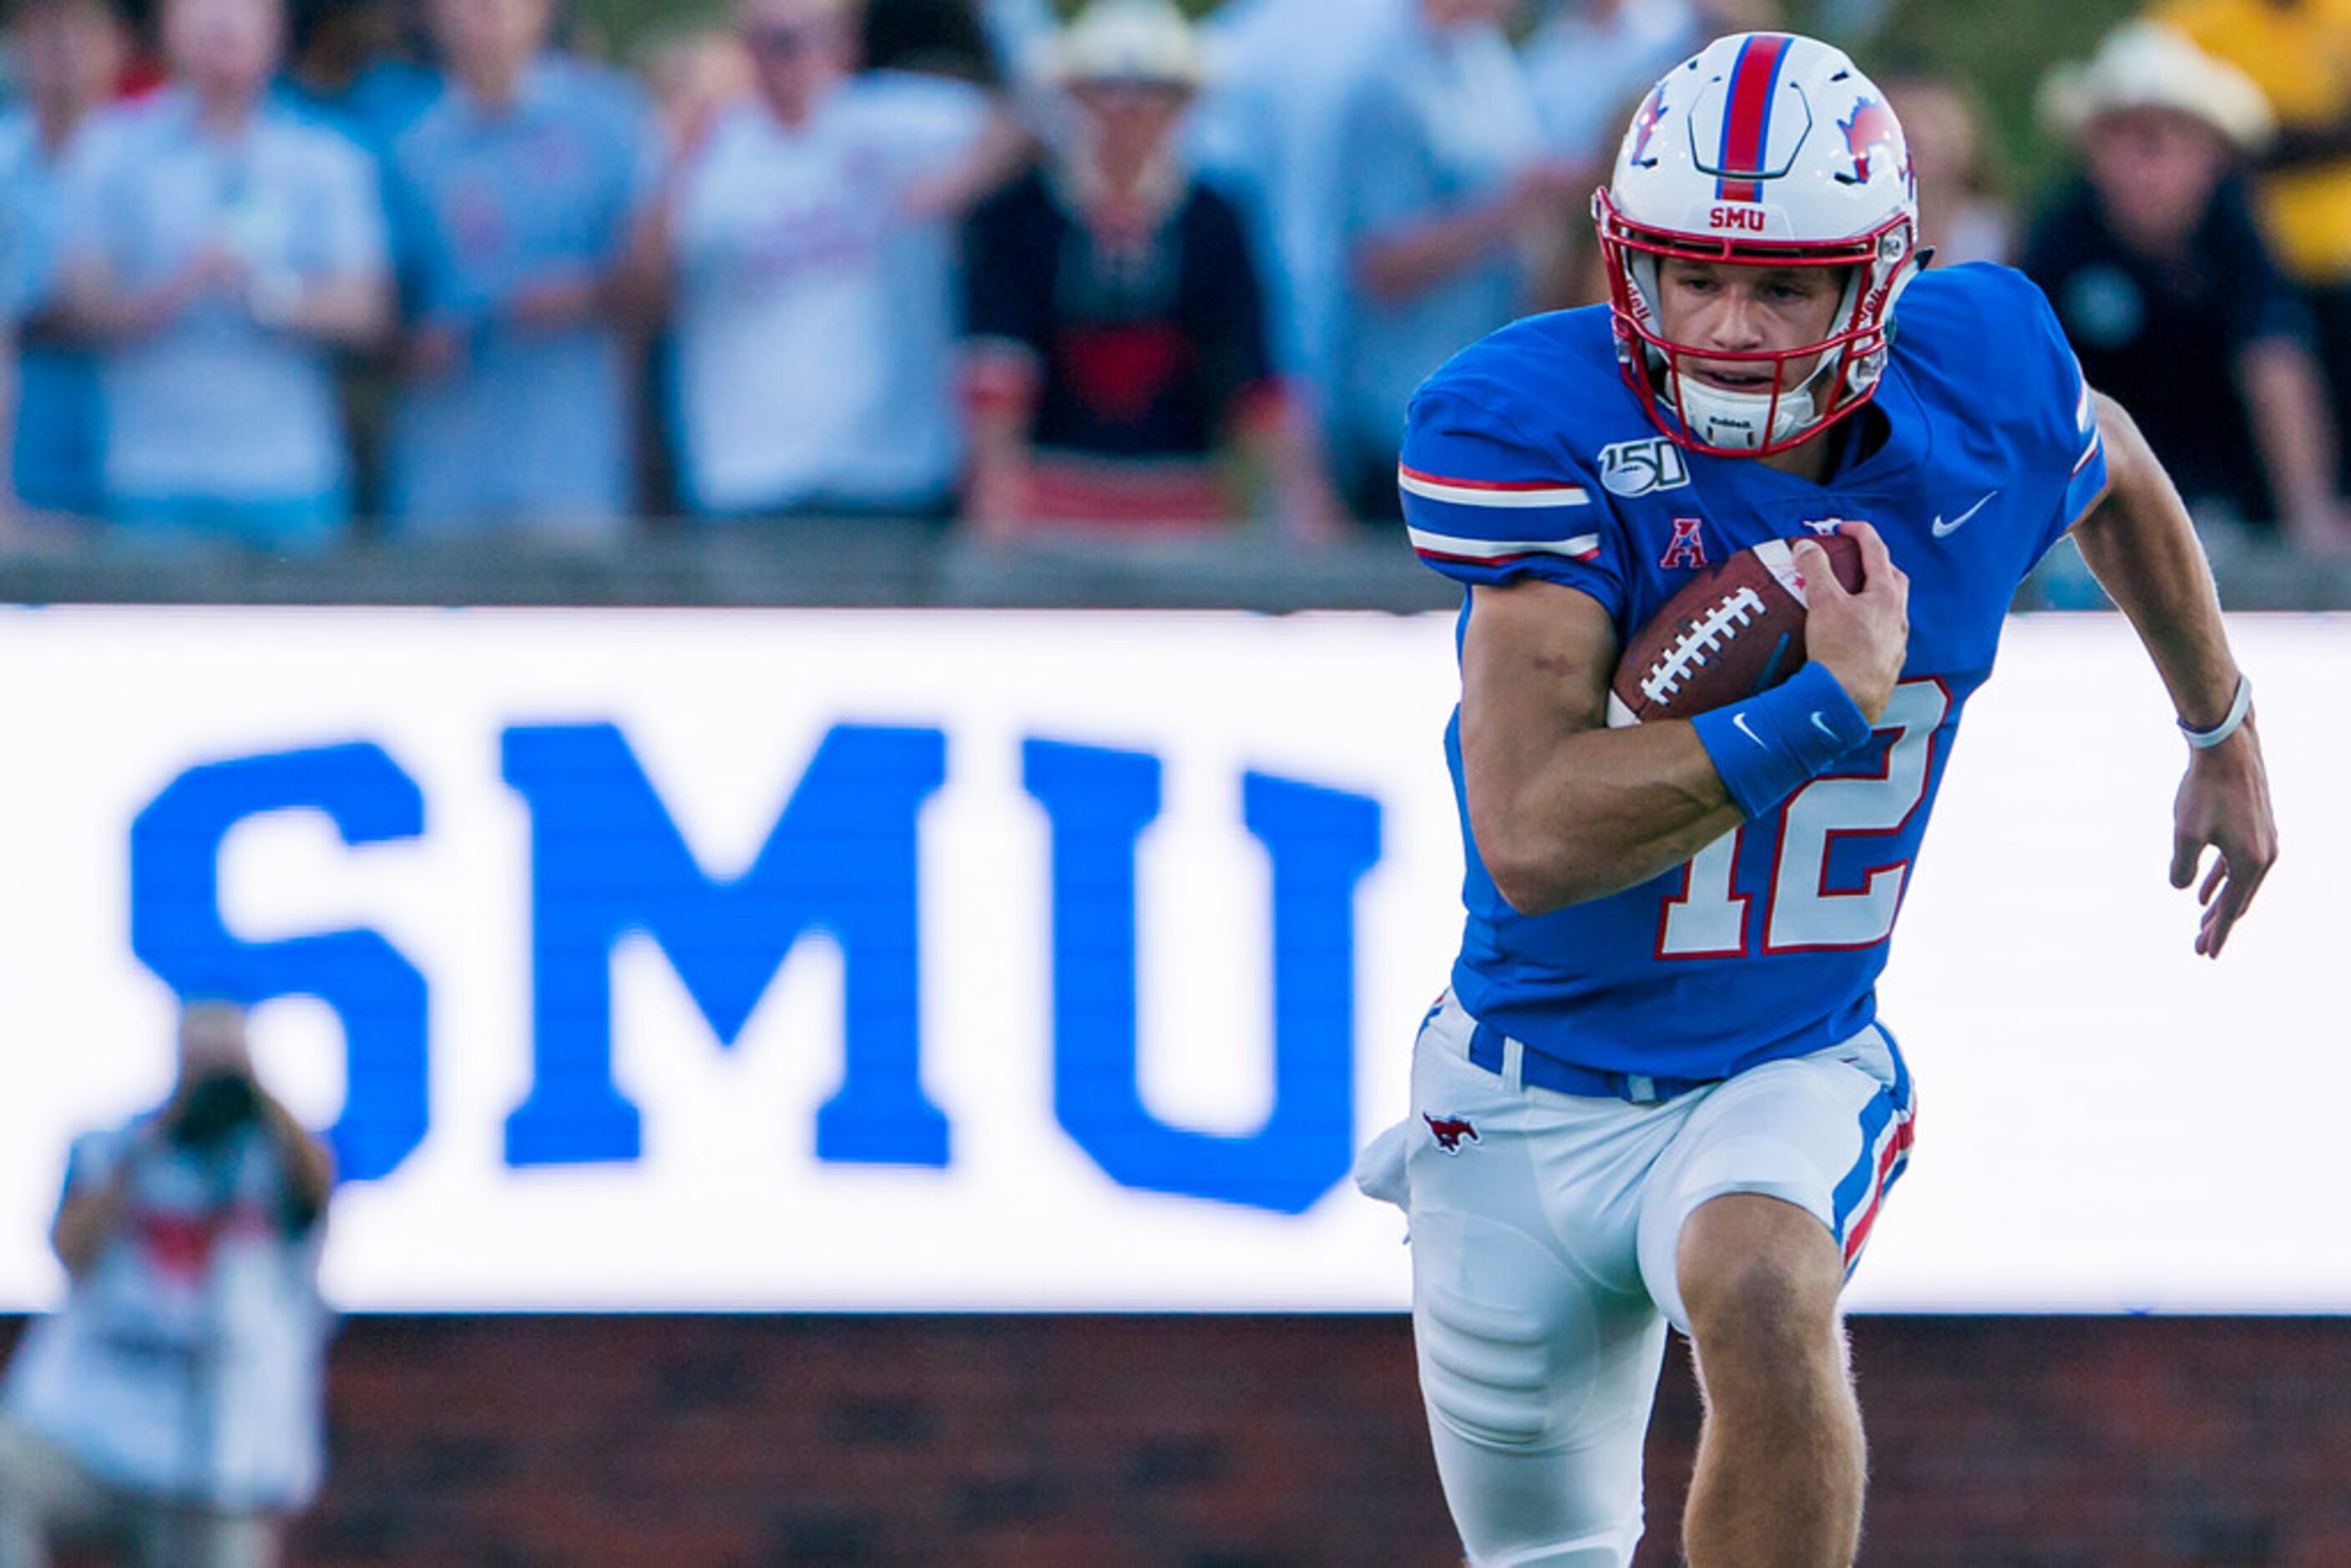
1527 456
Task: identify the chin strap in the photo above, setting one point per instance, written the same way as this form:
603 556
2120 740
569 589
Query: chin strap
1713 408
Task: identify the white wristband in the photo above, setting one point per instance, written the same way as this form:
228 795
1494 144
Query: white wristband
2243 704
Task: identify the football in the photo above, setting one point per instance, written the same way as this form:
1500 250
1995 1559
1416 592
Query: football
1728 633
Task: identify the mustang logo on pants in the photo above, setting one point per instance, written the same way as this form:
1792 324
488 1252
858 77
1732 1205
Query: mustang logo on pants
1448 1132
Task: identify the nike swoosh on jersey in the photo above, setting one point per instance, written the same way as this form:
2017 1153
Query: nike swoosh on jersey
1820 723
1944 529
1739 721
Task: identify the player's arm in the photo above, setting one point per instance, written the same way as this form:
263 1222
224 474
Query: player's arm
2138 541
1564 809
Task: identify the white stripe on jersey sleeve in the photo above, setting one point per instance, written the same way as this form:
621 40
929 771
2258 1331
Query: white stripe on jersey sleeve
1480 493
1429 543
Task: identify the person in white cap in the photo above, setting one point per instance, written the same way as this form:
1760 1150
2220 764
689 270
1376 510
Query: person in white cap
2298 52
2166 287
1116 334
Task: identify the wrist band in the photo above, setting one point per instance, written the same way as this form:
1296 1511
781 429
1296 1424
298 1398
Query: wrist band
2238 708
1768 746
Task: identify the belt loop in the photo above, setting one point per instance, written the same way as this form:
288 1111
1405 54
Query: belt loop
1639 1089
1514 1064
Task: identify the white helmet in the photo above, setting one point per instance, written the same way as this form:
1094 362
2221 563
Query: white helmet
1767 150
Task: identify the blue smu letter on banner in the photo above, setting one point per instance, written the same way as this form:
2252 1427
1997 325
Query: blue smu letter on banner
607 860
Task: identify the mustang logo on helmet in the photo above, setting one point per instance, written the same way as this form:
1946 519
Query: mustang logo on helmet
1645 125
1872 127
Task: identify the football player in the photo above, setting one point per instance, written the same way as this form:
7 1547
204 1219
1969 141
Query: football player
1657 1090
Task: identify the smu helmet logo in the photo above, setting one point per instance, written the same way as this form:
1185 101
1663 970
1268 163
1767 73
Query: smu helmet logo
1872 128
1645 125
1448 1132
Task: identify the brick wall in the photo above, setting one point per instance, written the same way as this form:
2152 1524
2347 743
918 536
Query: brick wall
1218 1442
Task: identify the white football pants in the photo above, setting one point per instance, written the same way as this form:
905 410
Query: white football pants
1544 1227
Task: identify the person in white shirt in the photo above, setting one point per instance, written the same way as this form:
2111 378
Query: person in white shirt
806 244
175 1401
219 247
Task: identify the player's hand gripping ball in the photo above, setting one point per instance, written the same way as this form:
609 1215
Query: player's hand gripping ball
1727 634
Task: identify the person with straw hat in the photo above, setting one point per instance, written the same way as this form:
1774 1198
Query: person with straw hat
1115 319
2298 53
2165 283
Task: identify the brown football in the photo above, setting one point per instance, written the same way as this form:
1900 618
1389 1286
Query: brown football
1728 633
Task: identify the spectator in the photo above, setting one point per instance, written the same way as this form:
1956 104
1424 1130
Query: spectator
2165 286
1446 202
2298 52
219 247
68 54
1963 217
515 199
1266 133
1590 60
695 76
806 241
347 64
175 1401
1116 322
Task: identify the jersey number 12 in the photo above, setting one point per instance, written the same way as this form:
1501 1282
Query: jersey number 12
1707 920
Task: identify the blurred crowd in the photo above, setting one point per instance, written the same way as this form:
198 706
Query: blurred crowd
271 266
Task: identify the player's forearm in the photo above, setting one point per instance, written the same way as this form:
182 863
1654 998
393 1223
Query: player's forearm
1607 810
2143 548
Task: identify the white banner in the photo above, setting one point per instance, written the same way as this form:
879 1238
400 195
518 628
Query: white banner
778 960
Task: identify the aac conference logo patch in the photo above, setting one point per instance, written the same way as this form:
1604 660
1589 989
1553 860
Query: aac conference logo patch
1639 467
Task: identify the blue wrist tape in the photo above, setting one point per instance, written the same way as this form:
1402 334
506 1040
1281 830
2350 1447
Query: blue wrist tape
1770 745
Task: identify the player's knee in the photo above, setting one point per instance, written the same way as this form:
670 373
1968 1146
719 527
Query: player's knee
1758 1275
1762 1314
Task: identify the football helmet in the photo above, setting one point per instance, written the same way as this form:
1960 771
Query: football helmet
1765 149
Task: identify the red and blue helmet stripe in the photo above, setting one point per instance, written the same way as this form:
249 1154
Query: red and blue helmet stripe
1747 117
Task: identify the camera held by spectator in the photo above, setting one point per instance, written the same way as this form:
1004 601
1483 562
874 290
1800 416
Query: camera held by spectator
174 1405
